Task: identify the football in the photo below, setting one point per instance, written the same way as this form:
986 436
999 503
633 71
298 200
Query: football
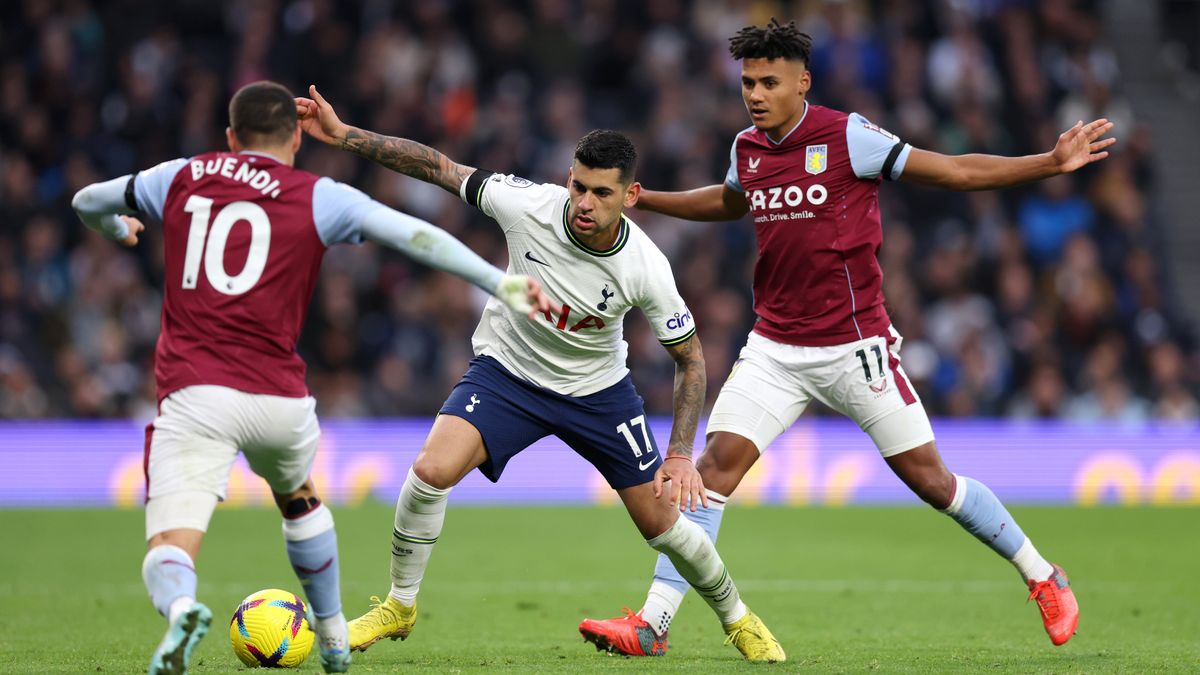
270 630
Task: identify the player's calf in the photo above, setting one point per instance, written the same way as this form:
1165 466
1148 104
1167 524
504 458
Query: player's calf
311 542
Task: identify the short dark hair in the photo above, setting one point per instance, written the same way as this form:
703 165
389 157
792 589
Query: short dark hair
262 112
773 41
607 149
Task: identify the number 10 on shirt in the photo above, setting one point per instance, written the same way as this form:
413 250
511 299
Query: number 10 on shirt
214 253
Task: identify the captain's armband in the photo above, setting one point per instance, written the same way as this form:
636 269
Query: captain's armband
472 191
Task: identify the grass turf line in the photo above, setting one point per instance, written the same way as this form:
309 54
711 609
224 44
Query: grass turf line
845 590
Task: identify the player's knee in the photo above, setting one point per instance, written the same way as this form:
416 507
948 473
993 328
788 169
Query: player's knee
935 488
720 479
435 473
723 465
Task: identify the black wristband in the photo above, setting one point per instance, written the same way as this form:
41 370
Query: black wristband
475 183
130 200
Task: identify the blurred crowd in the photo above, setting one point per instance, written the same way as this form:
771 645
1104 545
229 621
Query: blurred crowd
1044 301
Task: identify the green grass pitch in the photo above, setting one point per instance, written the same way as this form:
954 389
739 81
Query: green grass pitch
845 590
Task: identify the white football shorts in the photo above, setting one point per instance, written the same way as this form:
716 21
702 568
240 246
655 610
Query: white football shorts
772 383
192 444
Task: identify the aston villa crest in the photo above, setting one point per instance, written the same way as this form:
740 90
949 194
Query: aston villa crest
814 158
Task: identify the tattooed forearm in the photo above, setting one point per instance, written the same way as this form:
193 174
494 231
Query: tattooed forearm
407 157
690 384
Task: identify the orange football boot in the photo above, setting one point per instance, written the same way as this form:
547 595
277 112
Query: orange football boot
629 635
1056 601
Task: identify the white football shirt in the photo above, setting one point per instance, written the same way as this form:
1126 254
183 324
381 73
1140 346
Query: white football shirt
579 347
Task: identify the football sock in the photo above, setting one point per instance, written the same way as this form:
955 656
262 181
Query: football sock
978 510
332 633
420 511
697 560
662 603
668 588
170 578
1031 564
312 550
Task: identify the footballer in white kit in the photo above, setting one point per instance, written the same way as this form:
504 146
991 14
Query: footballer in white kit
529 379
562 374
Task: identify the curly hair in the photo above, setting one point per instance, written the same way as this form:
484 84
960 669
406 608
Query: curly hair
773 41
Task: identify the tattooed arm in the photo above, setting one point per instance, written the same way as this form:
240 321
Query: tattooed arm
690 384
407 157
318 119
687 488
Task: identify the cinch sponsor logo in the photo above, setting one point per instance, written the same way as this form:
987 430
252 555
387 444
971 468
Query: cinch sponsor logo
792 195
679 320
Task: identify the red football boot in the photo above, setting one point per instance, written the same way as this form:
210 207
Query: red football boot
1056 601
629 635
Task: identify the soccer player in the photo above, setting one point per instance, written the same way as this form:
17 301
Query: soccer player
563 375
244 234
810 178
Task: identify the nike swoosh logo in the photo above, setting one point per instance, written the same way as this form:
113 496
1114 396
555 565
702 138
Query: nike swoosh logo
647 465
529 256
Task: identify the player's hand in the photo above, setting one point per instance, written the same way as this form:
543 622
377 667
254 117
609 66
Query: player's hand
523 294
687 487
135 227
317 118
1081 145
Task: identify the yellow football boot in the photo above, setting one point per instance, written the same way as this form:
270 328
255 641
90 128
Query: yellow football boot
387 619
752 638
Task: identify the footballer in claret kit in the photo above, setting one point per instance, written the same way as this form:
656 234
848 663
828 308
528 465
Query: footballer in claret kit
809 177
227 373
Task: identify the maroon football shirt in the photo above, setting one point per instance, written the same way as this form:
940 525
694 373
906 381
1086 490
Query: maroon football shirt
814 198
242 256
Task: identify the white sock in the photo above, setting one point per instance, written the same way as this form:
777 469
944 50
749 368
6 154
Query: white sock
332 633
662 604
1031 564
420 511
170 578
178 607
697 561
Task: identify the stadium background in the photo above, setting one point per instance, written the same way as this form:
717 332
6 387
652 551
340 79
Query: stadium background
1050 329
1059 308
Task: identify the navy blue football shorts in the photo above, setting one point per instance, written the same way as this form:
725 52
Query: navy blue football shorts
607 428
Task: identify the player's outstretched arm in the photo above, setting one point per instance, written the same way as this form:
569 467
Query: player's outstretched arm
318 119
100 206
710 203
1077 147
687 488
436 248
